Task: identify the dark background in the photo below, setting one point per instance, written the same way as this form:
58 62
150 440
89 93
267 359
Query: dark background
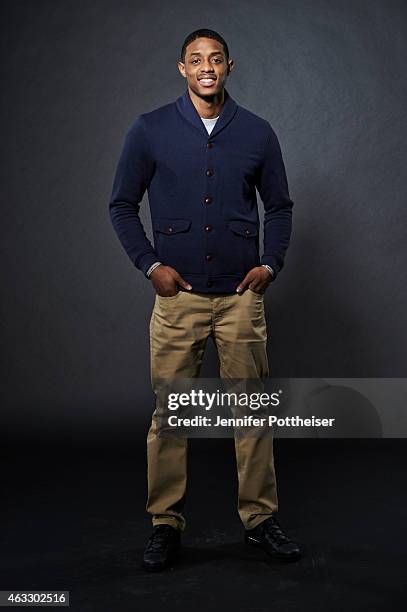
330 78
76 397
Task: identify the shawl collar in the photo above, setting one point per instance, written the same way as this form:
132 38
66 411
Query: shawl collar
187 109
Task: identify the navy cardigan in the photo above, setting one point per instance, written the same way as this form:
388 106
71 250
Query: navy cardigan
202 194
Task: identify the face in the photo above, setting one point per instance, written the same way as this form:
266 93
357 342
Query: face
205 66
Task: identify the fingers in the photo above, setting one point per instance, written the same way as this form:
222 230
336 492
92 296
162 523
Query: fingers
245 282
255 280
181 281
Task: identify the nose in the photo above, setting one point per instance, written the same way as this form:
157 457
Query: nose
208 67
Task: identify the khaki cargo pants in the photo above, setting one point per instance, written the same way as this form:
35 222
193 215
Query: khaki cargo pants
179 328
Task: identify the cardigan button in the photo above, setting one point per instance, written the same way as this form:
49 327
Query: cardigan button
247 232
208 200
209 172
208 257
208 227
209 145
170 229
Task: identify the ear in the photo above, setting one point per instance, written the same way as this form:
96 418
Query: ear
181 68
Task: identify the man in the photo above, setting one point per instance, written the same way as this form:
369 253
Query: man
201 159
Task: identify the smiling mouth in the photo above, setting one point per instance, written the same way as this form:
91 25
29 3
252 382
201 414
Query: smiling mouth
207 81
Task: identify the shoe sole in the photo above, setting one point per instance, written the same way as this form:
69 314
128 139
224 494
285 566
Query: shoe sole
274 555
163 566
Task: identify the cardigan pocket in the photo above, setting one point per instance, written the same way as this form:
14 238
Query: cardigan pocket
245 243
172 226
173 241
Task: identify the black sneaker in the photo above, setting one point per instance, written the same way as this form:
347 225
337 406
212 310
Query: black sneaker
161 547
270 537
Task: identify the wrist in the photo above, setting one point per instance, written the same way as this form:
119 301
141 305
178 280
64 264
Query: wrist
153 267
269 269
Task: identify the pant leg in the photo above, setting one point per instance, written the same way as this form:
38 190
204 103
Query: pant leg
179 328
241 340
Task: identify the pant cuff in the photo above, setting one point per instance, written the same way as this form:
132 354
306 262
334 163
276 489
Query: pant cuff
169 521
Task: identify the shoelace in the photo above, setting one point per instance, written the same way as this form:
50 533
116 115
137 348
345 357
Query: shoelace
274 531
157 539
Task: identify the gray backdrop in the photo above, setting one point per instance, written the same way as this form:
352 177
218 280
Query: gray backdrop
328 75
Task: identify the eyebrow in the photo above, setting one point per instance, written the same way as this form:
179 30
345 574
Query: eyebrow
213 53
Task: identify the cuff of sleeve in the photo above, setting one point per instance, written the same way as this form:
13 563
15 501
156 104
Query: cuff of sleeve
268 268
146 261
153 267
270 262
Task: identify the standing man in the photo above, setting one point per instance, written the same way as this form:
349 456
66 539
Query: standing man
201 159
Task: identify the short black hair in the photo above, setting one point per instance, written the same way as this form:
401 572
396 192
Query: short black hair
203 33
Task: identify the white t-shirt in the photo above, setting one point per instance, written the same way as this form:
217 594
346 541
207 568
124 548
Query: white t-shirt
210 123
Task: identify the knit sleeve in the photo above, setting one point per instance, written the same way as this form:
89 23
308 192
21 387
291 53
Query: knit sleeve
134 172
273 189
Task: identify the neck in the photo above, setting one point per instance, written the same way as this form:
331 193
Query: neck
209 106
